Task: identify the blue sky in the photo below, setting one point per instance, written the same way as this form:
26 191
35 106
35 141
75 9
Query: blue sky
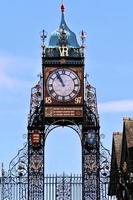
109 63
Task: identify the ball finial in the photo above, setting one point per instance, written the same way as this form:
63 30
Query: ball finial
62 8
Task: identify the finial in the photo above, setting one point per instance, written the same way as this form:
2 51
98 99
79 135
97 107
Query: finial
82 36
62 7
43 37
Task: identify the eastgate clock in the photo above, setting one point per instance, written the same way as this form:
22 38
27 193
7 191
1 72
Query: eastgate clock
63 84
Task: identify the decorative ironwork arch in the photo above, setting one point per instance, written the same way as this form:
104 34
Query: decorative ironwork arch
67 123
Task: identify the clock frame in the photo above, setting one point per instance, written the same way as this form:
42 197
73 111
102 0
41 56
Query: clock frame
63 86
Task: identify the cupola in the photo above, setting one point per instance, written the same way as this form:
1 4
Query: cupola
63 36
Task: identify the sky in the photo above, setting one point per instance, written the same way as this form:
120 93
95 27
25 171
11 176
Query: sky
108 62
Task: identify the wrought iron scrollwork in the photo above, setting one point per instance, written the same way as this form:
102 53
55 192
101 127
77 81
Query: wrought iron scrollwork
63 188
18 165
104 171
14 182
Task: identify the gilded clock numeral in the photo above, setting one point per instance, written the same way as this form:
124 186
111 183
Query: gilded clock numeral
78 100
48 100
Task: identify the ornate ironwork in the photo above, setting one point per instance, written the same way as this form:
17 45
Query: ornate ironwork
56 187
25 179
105 159
14 182
63 189
18 165
90 146
36 144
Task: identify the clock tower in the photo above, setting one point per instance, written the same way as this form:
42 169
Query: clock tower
63 97
63 71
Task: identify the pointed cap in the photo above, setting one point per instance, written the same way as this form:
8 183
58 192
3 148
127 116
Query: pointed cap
63 36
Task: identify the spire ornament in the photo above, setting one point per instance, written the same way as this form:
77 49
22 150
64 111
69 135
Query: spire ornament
62 7
43 37
82 37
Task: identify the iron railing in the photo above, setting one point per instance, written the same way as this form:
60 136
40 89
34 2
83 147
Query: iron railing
56 187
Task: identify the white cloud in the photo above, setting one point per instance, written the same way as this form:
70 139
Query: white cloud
116 106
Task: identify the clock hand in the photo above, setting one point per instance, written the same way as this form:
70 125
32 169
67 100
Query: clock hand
60 79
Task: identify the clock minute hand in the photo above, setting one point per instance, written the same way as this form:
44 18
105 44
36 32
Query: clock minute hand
60 79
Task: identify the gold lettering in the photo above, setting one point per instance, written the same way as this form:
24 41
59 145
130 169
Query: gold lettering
48 100
63 51
78 100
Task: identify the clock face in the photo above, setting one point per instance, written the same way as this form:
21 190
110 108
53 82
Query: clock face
63 84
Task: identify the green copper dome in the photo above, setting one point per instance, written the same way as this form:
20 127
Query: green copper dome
63 36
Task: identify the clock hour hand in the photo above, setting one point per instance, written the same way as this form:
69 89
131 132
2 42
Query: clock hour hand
59 78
